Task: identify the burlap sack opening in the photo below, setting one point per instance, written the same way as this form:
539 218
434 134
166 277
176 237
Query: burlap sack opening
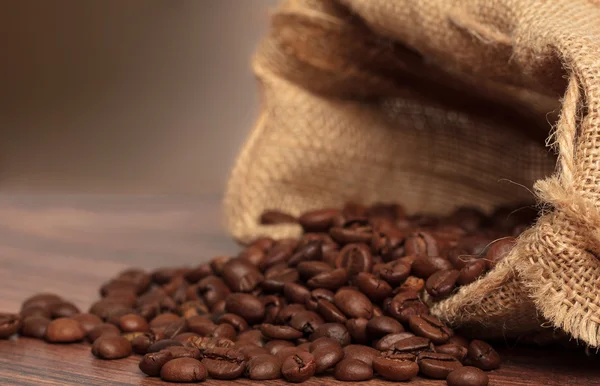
440 103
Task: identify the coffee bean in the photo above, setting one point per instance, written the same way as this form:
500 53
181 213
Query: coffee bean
271 217
354 230
498 250
298 367
42 300
224 363
471 272
330 312
184 352
296 293
395 272
380 326
9 325
141 343
251 337
87 321
241 276
101 330
317 294
212 290
247 306
309 269
200 325
64 310
360 352
183 370
457 351
327 353
425 266
263 367
163 320
280 252
307 251
355 258
64 330
175 328
318 220
250 350
353 303
238 323
459 340
334 331
386 243
430 327
467 376
35 326
374 288
204 343
396 367
437 365
224 330
272 331
412 283
274 346
111 347
198 273
442 283
358 330
483 356
35 311
388 341
133 323
421 243
286 313
404 305
185 336
306 321
152 363
162 344
331 280
352 370
459 257
276 282
413 345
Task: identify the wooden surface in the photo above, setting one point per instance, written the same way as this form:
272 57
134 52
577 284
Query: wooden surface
70 245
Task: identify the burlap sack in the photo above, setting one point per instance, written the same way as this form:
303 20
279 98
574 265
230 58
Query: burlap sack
439 103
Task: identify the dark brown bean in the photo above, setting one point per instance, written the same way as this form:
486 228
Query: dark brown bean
327 354
277 345
412 283
396 367
101 330
133 323
437 365
184 352
442 283
213 290
183 370
241 276
355 258
111 347
87 321
162 344
404 305
224 363
272 331
236 321
421 243
352 370
353 303
374 288
247 306
298 367
296 293
42 300
358 330
64 330
315 295
152 363
334 331
35 326
318 220
380 326
64 310
331 280
457 351
286 313
310 250
271 217
141 343
360 352
483 356
9 325
388 341
394 272
498 250
471 272
425 266
306 321
308 269
430 327
330 312
263 367
413 345
198 273
467 376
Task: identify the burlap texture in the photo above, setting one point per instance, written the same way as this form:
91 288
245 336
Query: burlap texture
439 103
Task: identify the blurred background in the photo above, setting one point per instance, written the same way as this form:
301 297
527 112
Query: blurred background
136 96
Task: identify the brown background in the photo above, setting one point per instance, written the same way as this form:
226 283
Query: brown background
136 96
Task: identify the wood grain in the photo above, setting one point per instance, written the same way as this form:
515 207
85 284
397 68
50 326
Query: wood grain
71 244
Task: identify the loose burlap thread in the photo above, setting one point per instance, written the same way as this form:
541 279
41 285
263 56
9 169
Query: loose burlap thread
437 104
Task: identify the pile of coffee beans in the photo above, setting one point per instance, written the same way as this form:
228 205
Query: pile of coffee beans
349 299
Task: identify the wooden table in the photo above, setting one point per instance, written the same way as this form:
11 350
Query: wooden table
71 244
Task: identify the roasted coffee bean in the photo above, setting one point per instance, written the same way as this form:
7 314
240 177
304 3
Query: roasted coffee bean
141 343
467 376
185 336
327 354
388 341
101 330
88 321
386 243
459 257
152 363
353 303
355 258
318 220
442 283
270 217
130 336
198 273
459 340
224 330
437 365
330 312
247 306
274 346
64 310
42 300
162 344
483 355
380 326
335 331
217 264
288 312
163 320
360 352
404 305
200 325
175 328
421 243
457 351
250 350
34 326
412 283
251 337
413 345
241 276
430 327
9 325
183 370
309 269
425 266
498 250
272 331
296 293
394 272
236 321
263 367
354 230
165 275
111 347
374 288
280 252
307 251
273 306
306 321
35 311
331 280
213 290
64 330
358 330
352 370
316 295
396 367
224 363
204 343
133 323
276 282
298 367
254 255
471 272
184 352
